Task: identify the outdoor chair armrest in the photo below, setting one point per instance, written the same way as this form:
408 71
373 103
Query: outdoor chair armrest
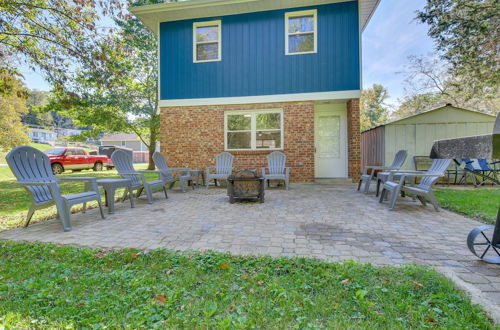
373 168
178 169
35 183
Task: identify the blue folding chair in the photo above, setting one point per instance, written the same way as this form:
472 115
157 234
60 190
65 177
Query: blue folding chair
479 167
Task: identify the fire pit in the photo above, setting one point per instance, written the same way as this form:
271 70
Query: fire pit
245 185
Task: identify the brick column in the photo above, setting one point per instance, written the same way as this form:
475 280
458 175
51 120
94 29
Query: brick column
354 139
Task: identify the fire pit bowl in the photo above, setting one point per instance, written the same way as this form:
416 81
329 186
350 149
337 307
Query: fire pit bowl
245 185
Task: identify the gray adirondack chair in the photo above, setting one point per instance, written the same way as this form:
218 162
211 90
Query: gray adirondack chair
223 168
398 161
276 168
424 188
123 163
182 174
32 170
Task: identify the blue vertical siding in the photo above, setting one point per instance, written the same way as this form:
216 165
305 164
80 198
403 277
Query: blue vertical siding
253 56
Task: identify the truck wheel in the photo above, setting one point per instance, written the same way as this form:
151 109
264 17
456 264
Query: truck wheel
57 168
98 167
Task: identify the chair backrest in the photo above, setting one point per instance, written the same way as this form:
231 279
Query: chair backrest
161 165
276 162
122 160
438 167
224 163
473 164
30 164
399 159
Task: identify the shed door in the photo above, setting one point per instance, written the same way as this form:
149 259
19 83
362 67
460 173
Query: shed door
331 142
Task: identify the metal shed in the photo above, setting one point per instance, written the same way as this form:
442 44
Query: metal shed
417 133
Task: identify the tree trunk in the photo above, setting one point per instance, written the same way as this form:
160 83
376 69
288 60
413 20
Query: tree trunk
152 148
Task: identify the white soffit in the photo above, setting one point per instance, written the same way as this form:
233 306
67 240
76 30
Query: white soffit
152 15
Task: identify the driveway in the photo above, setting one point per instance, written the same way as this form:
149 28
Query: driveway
331 222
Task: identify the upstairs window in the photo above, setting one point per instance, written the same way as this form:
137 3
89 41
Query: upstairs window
301 32
207 41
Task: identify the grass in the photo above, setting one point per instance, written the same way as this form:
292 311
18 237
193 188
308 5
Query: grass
15 201
48 286
481 204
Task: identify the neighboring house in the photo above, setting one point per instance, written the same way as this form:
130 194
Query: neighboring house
417 133
40 135
69 131
253 76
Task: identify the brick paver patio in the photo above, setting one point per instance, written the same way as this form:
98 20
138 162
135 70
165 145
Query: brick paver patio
332 222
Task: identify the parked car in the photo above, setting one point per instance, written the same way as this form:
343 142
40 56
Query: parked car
75 159
108 151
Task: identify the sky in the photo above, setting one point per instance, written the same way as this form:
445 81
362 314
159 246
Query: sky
391 36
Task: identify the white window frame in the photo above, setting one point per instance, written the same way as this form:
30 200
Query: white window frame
314 13
196 25
253 128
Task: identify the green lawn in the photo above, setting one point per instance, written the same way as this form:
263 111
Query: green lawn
48 286
481 204
15 201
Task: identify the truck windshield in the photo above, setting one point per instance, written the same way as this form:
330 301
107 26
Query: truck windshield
55 151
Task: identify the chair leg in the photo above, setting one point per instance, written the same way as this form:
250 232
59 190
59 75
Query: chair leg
433 200
101 209
165 191
30 215
359 184
140 192
367 186
149 194
382 195
378 187
394 197
286 183
422 200
84 207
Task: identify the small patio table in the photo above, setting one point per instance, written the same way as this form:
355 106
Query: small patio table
198 174
110 186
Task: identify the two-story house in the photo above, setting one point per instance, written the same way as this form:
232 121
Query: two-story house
253 76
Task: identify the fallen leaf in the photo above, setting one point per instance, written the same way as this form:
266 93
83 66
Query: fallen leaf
110 262
430 319
107 270
252 291
52 251
161 299
134 255
80 304
259 283
346 281
170 271
245 276
224 266
65 279
233 308
417 284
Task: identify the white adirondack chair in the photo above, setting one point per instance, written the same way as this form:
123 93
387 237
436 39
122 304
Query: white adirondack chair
398 161
32 170
276 168
223 168
123 163
181 174
423 190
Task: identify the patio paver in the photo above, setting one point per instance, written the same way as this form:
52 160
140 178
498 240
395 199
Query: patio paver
331 222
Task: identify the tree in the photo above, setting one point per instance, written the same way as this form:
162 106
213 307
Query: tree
467 32
55 36
12 106
121 93
429 84
374 111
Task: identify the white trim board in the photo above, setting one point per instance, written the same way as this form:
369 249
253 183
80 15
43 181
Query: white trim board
338 95
151 15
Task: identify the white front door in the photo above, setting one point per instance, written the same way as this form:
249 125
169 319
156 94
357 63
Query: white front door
330 141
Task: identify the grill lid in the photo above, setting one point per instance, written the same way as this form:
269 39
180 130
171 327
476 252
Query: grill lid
479 146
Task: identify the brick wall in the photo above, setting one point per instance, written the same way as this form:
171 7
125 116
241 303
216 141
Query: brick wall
192 136
354 139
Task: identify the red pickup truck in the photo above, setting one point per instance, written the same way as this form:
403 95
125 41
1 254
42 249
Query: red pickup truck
75 159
